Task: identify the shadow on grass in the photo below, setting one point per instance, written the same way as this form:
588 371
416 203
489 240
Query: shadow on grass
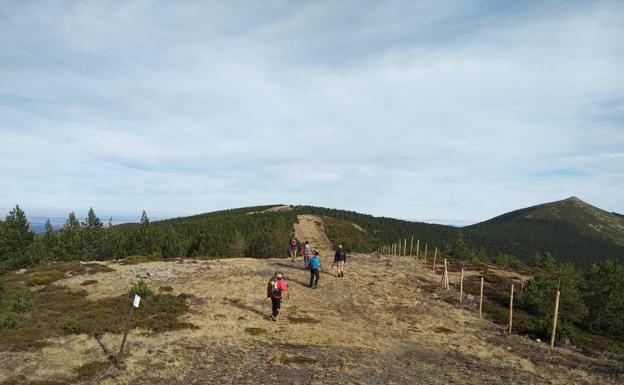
109 354
237 304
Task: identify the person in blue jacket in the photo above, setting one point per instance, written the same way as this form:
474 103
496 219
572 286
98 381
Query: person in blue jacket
315 265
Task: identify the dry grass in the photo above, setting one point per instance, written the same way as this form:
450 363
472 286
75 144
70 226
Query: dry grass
386 321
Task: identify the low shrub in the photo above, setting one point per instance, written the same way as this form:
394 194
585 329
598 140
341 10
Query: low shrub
141 289
45 277
8 323
72 327
22 301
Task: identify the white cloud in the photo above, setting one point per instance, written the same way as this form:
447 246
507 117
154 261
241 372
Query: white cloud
428 110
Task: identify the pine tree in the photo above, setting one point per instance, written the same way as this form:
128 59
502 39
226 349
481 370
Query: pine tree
238 245
50 241
93 236
15 234
142 241
71 239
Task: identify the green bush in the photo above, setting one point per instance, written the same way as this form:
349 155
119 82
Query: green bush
22 302
141 289
566 331
505 260
72 327
8 323
604 297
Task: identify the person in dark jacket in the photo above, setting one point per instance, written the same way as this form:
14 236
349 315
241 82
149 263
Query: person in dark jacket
340 258
315 265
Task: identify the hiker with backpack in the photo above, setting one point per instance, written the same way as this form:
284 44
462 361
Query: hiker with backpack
315 265
301 248
307 254
275 287
340 258
293 247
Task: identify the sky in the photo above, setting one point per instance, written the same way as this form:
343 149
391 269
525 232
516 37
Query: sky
441 111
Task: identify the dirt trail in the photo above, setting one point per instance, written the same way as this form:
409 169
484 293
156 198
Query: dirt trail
310 228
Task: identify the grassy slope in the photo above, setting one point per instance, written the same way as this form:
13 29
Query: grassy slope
387 321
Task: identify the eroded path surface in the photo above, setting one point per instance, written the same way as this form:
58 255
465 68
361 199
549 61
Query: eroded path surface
385 322
310 228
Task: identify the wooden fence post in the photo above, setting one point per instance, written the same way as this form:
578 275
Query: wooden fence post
418 247
405 248
554 328
445 278
435 255
425 253
412 246
135 303
511 308
461 286
481 300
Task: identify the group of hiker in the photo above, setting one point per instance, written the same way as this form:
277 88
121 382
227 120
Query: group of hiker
312 262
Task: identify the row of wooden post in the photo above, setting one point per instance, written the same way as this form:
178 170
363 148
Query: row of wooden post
445 282
400 248
396 248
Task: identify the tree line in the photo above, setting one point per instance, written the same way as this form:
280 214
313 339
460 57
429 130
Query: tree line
230 233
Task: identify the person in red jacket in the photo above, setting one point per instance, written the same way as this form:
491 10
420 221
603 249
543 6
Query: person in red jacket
275 287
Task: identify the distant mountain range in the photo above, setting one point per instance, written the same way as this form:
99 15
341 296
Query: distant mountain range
37 223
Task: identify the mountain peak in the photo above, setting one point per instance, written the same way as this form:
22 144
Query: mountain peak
575 199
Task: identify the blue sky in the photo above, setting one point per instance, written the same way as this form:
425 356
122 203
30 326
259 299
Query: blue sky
445 111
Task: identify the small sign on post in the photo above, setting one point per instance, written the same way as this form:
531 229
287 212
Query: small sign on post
135 304
137 300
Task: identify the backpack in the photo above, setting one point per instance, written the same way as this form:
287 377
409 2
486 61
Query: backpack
275 290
